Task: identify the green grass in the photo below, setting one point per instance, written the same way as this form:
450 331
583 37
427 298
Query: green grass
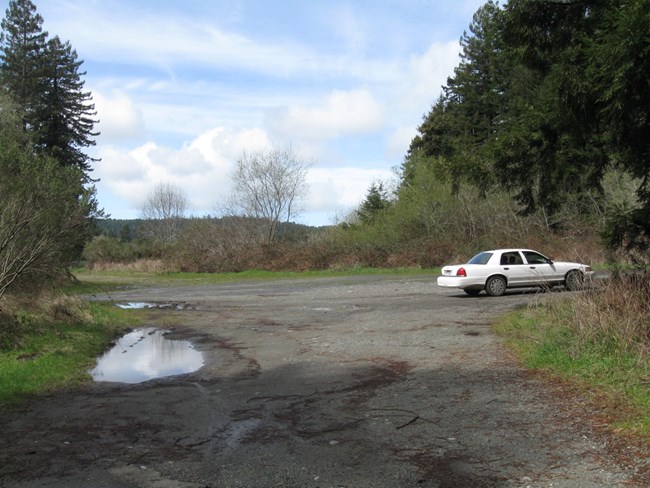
617 378
54 356
114 279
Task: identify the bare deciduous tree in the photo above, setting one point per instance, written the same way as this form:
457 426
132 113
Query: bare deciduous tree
269 185
42 219
163 212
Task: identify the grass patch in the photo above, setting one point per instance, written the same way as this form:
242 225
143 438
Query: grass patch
43 351
112 279
598 341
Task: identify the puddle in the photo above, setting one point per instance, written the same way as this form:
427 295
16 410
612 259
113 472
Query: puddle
145 354
141 305
135 305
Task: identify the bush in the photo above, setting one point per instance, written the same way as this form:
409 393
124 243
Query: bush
208 245
103 250
612 317
45 208
617 314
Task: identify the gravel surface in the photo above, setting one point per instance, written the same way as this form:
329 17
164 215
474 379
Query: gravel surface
330 382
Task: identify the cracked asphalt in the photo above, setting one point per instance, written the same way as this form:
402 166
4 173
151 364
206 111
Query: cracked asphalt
373 381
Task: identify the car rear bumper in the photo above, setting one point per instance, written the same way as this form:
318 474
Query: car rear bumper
460 282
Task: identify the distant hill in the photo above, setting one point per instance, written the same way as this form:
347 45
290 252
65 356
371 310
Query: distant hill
127 229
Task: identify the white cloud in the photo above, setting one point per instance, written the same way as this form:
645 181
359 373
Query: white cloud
429 71
348 24
201 168
140 35
343 113
340 188
399 141
119 119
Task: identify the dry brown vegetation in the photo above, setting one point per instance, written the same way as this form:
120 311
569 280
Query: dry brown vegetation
616 313
451 231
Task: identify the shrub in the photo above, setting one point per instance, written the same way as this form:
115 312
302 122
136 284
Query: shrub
103 250
616 315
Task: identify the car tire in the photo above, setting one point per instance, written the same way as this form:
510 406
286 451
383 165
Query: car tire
472 291
496 286
573 280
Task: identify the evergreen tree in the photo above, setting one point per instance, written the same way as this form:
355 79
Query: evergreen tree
43 78
477 85
465 118
22 47
376 202
549 147
620 73
65 112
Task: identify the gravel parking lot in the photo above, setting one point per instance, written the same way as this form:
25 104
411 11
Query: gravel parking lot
331 382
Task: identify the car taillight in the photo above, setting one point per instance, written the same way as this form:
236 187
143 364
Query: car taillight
461 272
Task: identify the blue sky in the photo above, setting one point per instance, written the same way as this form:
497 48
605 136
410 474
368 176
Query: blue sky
182 88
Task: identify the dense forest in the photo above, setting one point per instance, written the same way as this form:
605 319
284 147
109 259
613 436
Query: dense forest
549 103
539 138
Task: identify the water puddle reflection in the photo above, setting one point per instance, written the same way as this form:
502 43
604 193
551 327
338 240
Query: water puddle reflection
135 305
142 305
145 354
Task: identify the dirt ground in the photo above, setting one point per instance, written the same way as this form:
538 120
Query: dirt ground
330 382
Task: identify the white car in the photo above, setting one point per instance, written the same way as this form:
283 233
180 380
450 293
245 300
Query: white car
495 271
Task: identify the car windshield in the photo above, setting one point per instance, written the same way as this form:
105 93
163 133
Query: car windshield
481 258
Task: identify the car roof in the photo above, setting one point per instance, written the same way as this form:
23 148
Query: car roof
512 250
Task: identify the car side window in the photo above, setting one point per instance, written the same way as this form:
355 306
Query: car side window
510 258
535 258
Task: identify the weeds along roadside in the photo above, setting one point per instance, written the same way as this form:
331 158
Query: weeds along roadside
51 342
598 340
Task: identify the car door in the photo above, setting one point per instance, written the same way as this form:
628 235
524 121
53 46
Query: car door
540 269
513 267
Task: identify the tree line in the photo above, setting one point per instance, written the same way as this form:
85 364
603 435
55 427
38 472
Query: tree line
537 140
550 103
47 119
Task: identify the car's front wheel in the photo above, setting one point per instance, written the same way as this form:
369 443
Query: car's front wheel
573 280
496 286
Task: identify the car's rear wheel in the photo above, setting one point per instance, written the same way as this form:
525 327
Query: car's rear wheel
496 286
573 280
471 291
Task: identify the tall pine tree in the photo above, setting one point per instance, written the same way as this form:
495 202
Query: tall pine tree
43 78
65 112
22 48
465 118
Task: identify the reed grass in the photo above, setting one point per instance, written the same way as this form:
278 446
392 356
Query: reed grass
600 338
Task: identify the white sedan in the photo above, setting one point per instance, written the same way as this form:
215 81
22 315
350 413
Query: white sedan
495 271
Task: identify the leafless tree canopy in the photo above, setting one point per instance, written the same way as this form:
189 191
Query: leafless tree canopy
269 185
163 212
41 219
